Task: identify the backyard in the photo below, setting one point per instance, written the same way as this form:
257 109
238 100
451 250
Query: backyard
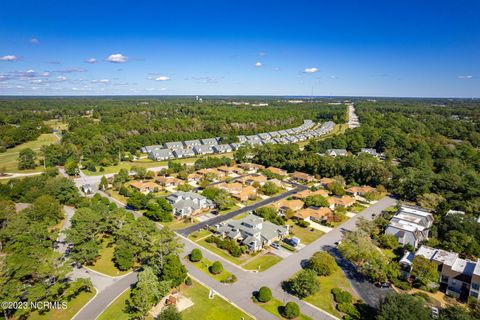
306 235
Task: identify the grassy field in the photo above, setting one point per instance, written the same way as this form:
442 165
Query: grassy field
8 159
178 224
197 235
204 265
356 208
72 308
273 307
323 298
105 264
115 310
306 235
222 253
211 309
262 262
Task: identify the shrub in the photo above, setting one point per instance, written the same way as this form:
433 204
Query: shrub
196 255
341 296
264 294
349 309
290 311
216 267
304 284
188 281
322 263
231 279
303 223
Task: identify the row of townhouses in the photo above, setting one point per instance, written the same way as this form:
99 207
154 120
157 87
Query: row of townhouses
191 148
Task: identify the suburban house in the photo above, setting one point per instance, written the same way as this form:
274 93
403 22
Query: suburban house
325 182
307 193
232 188
251 167
191 143
277 171
458 277
336 152
160 154
148 149
194 177
302 177
252 231
183 153
230 170
343 202
222 148
187 204
318 215
210 171
169 181
373 152
251 179
245 194
209 141
285 204
204 149
410 225
174 145
360 191
144 187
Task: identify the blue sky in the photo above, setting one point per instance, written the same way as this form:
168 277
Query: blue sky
362 48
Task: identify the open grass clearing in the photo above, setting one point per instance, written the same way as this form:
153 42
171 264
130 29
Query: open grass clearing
324 298
273 306
8 159
105 263
73 307
222 253
262 262
116 310
204 266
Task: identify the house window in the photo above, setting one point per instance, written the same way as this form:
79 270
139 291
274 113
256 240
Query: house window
475 286
474 294
444 279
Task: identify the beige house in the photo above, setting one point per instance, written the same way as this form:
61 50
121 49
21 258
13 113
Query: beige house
302 177
145 187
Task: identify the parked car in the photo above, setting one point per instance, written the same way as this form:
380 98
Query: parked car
292 241
384 285
275 245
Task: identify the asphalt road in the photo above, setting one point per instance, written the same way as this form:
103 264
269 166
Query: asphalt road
241 291
220 218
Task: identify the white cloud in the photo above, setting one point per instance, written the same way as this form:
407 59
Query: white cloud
8 58
465 77
262 54
310 70
104 81
34 41
92 60
162 78
117 58
258 64
61 78
37 81
45 74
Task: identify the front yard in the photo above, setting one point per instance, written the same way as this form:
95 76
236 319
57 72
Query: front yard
262 262
204 266
116 310
105 264
73 307
306 235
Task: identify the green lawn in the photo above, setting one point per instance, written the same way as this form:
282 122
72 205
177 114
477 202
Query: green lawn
195 236
356 208
241 216
72 308
116 309
222 253
104 264
262 262
204 265
235 207
205 308
8 159
323 298
176 224
306 235
273 305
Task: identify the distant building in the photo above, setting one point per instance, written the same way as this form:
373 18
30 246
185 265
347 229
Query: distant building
301 176
174 145
222 148
373 152
203 149
336 152
410 225
191 143
183 153
209 141
161 154
252 231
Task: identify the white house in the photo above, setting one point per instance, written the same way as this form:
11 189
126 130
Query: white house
410 225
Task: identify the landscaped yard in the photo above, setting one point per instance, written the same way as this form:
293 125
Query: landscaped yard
176 224
204 266
273 305
8 159
116 309
306 235
323 298
222 253
66 314
205 308
104 264
262 262
356 208
200 234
